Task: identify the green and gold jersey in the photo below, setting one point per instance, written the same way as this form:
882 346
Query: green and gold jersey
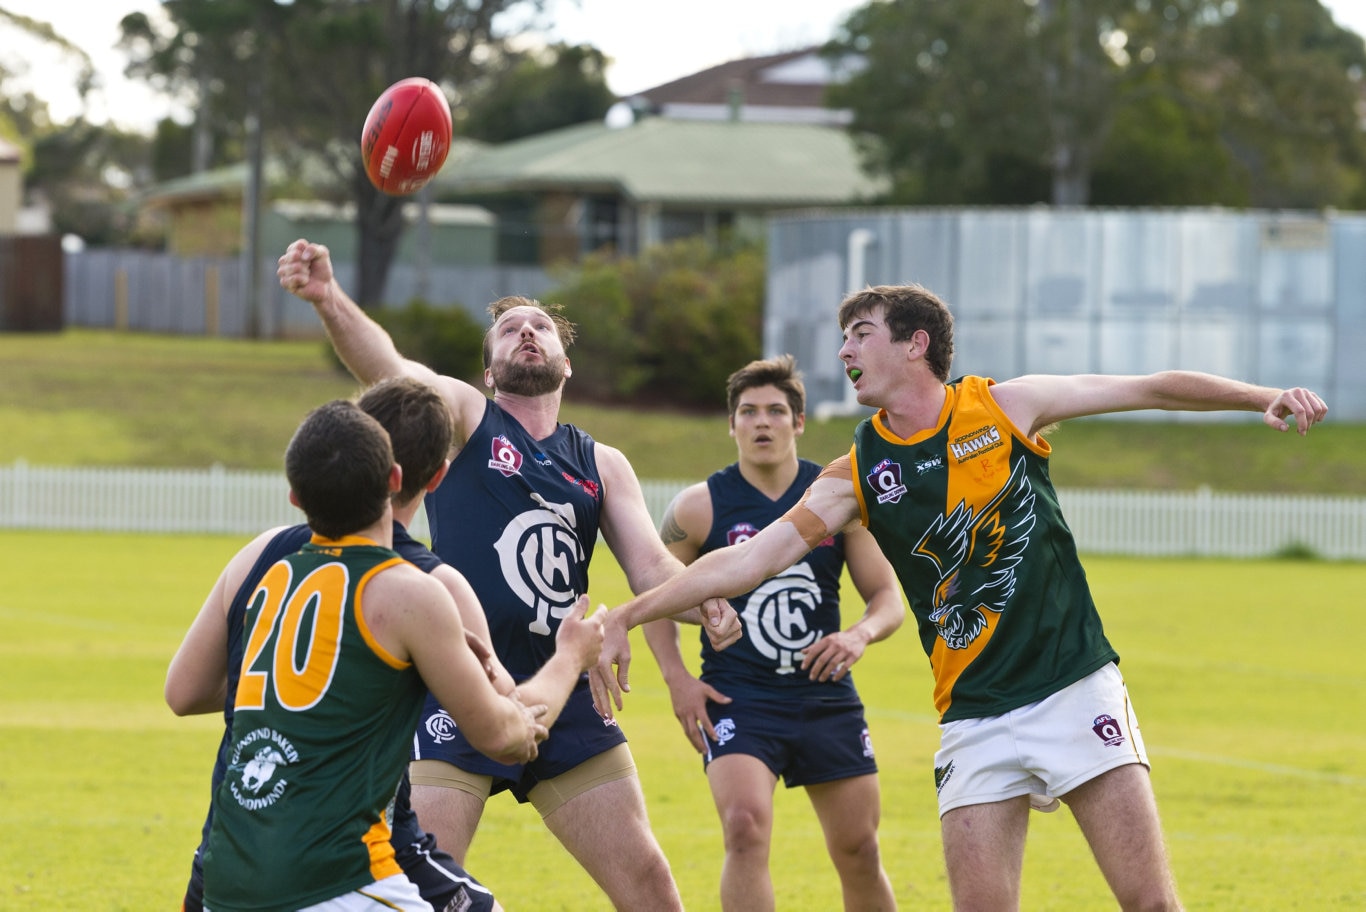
969 519
321 731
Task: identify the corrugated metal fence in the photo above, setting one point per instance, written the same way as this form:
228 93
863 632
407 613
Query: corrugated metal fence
1276 298
1146 523
159 292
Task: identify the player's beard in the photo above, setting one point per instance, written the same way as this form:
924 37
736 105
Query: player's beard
529 379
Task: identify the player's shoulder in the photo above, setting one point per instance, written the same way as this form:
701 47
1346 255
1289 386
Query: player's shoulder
403 583
239 568
691 502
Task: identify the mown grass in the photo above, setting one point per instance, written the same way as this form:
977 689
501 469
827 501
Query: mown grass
85 397
1246 677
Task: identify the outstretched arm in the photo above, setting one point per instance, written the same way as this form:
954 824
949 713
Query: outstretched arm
827 507
629 532
1034 401
647 562
365 347
832 656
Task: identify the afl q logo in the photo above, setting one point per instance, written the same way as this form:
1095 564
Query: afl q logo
1108 730
505 458
885 479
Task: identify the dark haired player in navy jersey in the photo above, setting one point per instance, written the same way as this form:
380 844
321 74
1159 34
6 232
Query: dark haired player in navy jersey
781 701
519 515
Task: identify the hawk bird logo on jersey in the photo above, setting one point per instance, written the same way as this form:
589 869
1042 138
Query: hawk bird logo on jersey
976 553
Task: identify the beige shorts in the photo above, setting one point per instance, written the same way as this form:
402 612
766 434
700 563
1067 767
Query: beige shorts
1043 750
548 796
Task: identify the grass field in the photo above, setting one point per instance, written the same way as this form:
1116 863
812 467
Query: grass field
1252 715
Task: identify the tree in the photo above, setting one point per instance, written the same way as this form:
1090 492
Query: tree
538 91
1016 101
315 67
85 172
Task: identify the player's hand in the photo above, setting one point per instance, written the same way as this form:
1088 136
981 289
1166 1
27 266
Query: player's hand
607 686
689 696
498 675
305 270
580 635
831 657
721 623
1306 406
534 733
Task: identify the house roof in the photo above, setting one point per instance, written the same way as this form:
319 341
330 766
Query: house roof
779 88
733 163
230 181
759 79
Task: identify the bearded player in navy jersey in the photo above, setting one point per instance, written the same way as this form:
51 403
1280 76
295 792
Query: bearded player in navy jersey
415 417
520 514
781 701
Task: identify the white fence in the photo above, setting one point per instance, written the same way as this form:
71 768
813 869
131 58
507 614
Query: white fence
1146 523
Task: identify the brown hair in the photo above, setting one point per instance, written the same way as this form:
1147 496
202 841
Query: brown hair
906 309
420 429
780 372
338 464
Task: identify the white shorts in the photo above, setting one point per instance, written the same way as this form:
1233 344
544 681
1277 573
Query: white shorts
1043 750
390 893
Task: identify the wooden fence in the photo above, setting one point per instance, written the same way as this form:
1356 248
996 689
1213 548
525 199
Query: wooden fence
1200 523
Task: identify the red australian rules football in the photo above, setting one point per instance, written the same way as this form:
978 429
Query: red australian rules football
407 136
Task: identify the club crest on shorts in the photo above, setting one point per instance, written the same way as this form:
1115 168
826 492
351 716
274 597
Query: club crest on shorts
441 726
1108 730
725 730
867 740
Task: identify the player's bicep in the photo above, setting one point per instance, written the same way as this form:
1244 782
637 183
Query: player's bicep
686 523
197 677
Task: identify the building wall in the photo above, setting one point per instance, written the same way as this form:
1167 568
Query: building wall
11 194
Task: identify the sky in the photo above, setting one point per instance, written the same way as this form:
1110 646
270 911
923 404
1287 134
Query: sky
675 38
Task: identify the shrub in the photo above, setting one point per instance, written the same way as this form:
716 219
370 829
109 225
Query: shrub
668 326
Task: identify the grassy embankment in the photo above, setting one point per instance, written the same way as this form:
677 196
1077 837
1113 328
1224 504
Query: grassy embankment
101 398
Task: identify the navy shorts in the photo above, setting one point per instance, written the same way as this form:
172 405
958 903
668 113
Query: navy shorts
577 735
441 880
804 741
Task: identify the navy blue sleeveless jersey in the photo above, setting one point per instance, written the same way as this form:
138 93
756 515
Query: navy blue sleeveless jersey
519 518
784 614
414 848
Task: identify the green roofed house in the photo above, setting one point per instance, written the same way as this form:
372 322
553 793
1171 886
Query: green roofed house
712 152
715 151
